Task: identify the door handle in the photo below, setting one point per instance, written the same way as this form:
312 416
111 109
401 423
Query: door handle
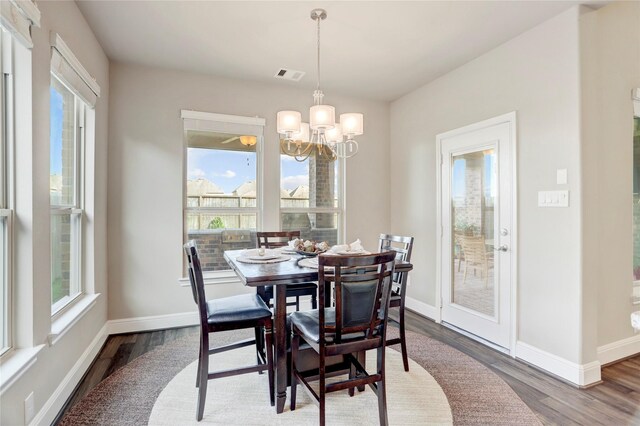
503 247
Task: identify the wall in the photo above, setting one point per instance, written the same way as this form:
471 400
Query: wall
48 375
537 75
610 70
146 163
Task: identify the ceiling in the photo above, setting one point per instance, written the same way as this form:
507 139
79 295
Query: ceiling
370 49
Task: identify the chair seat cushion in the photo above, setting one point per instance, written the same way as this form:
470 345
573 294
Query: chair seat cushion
245 307
308 324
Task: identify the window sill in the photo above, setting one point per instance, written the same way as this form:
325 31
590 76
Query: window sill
15 363
214 278
68 318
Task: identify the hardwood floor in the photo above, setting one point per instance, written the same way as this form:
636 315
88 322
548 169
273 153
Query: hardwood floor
614 402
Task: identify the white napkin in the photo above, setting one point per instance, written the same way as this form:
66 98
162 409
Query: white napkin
293 244
354 247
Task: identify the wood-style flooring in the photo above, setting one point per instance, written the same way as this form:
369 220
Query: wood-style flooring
614 402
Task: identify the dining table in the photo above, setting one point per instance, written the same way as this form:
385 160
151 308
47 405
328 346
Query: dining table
280 275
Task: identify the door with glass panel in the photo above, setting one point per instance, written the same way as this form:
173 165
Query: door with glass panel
476 218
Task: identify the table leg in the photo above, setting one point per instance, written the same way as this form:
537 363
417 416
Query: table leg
280 308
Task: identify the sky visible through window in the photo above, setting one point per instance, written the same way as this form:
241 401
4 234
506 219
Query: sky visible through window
57 112
230 169
458 178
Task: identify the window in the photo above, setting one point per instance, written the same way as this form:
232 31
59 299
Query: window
65 183
222 185
6 107
311 197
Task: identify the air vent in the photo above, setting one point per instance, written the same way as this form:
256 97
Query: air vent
286 74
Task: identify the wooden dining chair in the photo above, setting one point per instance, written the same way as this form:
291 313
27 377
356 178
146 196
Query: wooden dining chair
228 313
402 246
275 239
357 323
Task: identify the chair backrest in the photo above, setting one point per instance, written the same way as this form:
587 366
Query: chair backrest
402 246
362 291
196 279
275 239
473 248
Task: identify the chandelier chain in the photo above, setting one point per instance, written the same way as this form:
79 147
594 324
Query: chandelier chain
318 58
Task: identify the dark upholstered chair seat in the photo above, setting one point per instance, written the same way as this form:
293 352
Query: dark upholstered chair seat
245 307
308 325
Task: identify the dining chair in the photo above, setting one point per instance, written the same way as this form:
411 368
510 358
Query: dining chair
402 246
275 239
223 314
356 323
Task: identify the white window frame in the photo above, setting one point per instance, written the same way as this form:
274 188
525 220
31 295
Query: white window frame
6 186
339 210
223 123
76 209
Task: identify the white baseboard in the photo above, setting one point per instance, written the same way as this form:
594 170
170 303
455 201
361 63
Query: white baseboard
621 349
422 308
54 404
578 374
156 322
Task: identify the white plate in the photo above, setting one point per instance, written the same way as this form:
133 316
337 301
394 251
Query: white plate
347 252
265 257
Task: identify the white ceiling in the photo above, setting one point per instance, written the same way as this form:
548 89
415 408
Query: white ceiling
374 49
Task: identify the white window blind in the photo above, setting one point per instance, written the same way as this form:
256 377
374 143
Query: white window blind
17 17
66 67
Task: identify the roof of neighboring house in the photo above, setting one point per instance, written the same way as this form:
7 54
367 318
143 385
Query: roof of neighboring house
301 191
202 186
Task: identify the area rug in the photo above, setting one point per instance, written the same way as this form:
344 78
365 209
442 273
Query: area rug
475 395
413 398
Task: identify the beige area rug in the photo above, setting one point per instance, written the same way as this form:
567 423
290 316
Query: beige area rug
476 395
413 398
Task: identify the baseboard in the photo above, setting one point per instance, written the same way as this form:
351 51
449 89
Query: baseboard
156 322
56 401
577 374
621 349
422 308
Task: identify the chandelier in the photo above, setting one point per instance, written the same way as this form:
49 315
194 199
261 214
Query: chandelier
299 139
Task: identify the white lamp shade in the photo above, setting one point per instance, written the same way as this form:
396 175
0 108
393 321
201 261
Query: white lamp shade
303 134
322 117
288 121
334 135
352 123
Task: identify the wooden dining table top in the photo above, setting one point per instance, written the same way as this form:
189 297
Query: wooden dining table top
288 272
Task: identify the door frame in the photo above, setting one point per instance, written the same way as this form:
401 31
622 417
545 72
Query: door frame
509 118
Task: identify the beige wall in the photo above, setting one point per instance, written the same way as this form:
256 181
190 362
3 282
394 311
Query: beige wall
610 70
146 175
32 284
537 75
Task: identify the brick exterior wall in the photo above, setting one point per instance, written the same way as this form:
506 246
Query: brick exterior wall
213 243
321 189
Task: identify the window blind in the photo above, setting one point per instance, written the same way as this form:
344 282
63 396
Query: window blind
17 17
70 71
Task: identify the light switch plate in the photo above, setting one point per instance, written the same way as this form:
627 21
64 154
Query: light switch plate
553 198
